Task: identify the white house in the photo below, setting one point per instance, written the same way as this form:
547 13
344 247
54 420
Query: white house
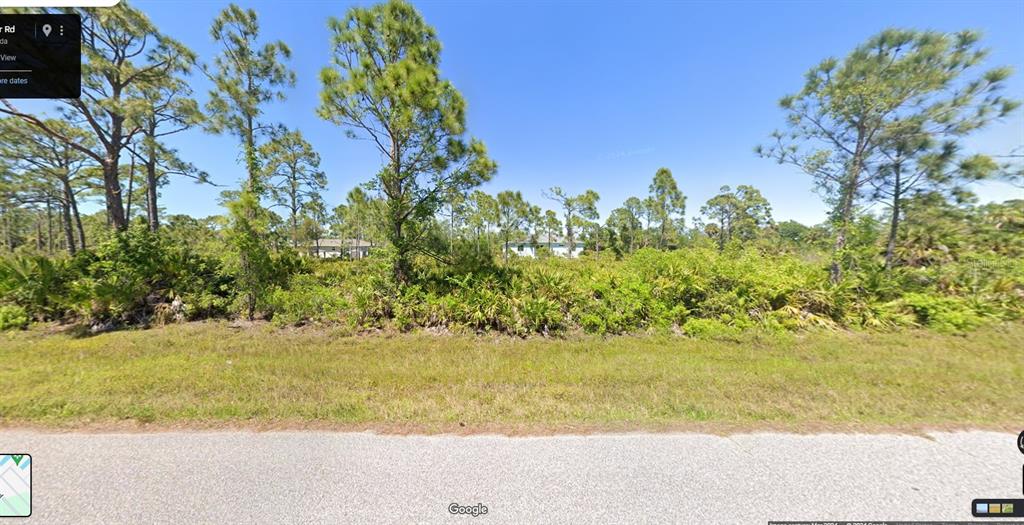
333 248
558 246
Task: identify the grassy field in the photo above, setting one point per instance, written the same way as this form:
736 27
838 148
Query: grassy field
215 375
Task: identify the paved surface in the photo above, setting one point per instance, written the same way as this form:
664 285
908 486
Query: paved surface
322 477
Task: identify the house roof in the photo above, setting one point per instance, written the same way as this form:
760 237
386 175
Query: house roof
542 240
342 243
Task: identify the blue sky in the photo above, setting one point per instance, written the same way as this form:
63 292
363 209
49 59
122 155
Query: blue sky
601 94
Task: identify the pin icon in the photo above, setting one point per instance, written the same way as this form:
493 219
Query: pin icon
46 30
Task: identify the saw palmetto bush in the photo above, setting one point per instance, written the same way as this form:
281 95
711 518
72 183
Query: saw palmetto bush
699 291
138 277
123 280
37 284
126 279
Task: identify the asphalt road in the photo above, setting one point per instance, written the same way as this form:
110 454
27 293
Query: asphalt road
323 477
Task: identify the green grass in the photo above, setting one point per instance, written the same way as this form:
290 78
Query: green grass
211 374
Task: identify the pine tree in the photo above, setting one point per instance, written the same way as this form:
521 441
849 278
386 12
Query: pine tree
385 84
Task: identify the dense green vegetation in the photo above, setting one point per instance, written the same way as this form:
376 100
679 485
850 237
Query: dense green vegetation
883 125
212 374
773 283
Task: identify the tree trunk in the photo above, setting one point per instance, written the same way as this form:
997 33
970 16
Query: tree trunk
890 247
835 269
49 226
111 173
112 193
71 213
69 233
73 202
152 212
570 236
295 223
131 181
845 214
250 158
401 267
4 219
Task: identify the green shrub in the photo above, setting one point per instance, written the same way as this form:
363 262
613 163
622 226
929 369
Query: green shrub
126 279
721 293
540 314
306 299
13 317
134 277
946 314
37 284
708 328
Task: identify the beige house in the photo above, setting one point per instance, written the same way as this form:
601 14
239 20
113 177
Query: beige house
557 245
347 248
